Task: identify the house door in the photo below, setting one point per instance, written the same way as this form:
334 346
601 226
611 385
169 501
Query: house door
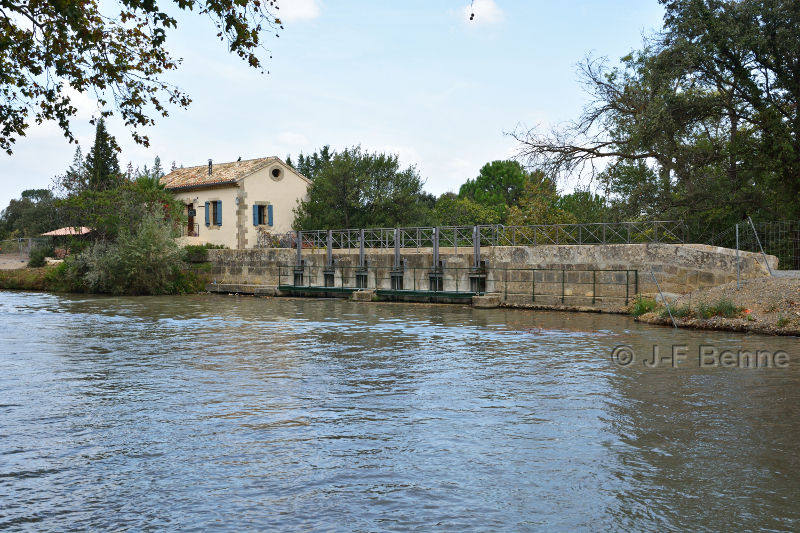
190 228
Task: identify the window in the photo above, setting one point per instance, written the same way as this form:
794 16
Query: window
262 215
214 213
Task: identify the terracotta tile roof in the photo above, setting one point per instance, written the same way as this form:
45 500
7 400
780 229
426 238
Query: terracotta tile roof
222 173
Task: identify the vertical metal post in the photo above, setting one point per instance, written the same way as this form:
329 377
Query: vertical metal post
628 284
396 247
476 246
455 238
299 248
594 286
563 279
436 247
361 262
636 283
759 244
737 258
533 285
329 247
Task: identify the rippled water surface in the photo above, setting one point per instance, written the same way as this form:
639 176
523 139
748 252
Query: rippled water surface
233 413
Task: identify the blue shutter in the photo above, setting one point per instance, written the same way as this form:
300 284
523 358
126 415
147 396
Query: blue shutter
208 213
255 215
269 214
219 212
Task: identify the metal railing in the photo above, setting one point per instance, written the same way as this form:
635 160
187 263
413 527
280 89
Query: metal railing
494 235
778 238
194 231
22 246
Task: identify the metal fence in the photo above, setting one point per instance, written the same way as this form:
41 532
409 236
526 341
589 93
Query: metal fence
21 247
494 235
779 238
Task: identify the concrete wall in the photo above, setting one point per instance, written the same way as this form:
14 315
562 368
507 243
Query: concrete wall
622 270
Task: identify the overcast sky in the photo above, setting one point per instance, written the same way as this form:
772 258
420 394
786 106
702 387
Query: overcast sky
412 77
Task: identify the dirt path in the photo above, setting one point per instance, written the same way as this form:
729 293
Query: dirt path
12 261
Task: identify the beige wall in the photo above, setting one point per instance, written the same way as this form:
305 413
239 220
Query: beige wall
237 230
283 194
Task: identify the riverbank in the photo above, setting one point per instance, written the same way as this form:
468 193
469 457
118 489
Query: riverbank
769 306
191 279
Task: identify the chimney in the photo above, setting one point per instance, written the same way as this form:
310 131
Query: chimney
210 166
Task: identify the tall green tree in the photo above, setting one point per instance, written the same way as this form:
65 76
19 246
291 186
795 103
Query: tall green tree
450 210
701 125
359 189
102 162
499 185
30 215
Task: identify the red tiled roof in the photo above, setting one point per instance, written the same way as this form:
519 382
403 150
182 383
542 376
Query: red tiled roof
221 173
67 231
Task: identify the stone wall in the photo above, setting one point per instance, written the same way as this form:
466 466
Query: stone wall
601 276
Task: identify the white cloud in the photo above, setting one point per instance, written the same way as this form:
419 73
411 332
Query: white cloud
486 13
297 10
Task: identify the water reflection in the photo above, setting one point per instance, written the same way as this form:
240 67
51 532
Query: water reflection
235 413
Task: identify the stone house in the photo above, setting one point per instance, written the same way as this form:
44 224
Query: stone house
233 203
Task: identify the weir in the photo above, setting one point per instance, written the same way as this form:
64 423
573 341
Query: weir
602 277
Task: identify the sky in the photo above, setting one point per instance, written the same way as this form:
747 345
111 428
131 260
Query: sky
412 77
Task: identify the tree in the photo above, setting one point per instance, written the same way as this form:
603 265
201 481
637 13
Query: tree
538 204
587 207
310 165
30 216
358 189
118 54
451 210
102 163
705 116
75 179
499 184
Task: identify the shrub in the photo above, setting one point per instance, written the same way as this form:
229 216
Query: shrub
724 308
681 311
198 253
642 305
38 255
142 261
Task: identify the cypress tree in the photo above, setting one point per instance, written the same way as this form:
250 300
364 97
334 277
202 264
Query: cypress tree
102 164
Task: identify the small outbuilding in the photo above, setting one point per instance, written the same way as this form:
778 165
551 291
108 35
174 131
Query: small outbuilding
239 204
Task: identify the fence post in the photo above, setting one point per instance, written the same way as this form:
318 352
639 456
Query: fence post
299 248
361 248
329 246
396 248
759 244
476 245
737 257
436 247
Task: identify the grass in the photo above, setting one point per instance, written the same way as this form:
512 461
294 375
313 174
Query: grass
724 308
642 305
782 321
681 311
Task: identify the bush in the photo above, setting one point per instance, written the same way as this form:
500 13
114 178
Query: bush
642 305
682 311
142 261
724 308
38 255
198 253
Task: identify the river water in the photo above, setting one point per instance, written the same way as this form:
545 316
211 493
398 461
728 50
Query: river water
237 413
